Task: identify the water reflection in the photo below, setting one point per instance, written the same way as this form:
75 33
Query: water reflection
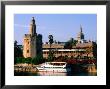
54 74
51 74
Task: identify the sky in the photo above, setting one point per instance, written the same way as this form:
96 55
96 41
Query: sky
61 26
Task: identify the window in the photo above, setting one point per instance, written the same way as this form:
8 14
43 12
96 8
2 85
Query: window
27 51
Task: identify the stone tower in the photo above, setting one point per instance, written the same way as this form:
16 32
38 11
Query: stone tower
30 41
80 36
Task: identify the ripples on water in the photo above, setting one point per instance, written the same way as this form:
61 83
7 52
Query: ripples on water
53 74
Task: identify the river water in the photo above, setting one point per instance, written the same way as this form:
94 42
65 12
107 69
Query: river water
54 74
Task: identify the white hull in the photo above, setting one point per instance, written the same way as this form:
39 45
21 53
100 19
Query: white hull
48 67
52 70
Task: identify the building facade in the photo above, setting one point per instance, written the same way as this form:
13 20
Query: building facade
82 48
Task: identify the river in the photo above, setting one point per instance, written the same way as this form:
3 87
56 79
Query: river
54 74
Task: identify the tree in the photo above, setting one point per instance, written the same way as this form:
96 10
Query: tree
74 43
50 57
28 60
38 59
50 39
70 43
23 60
17 52
19 59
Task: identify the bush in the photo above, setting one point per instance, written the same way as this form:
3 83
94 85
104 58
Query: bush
37 60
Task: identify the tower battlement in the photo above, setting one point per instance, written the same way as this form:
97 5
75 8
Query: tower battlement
27 35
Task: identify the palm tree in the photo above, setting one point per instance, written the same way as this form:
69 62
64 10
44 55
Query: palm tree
50 56
50 40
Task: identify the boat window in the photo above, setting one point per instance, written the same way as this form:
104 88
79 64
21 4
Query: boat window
58 64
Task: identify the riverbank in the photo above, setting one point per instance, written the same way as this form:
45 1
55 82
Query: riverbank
25 68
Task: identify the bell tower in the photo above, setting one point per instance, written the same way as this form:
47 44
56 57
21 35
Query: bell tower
32 30
80 36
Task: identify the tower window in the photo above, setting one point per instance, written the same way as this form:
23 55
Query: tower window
27 51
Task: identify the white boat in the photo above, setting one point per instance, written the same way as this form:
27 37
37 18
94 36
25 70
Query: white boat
54 67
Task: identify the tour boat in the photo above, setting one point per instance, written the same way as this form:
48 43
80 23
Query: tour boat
54 67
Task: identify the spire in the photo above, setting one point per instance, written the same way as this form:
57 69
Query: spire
80 28
80 36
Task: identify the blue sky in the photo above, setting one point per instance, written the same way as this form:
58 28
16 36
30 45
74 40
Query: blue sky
61 26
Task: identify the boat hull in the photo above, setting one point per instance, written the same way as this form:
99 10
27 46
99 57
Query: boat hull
53 67
53 70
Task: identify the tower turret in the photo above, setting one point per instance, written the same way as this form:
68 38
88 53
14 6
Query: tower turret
32 30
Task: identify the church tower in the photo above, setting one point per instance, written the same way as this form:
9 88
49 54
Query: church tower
80 36
30 41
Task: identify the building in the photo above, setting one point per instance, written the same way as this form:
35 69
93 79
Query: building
32 42
90 48
82 48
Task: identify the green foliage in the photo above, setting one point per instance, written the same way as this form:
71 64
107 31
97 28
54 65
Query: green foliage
17 51
50 39
70 43
19 60
65 57
28 60
18 57
23 60
74 42
37 60
50 57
